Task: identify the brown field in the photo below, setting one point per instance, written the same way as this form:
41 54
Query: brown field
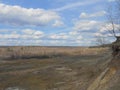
50 68
45 52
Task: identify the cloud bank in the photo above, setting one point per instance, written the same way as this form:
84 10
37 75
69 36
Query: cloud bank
16 15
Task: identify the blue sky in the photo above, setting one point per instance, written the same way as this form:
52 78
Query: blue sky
52 22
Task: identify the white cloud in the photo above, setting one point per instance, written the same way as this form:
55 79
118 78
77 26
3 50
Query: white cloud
97 14
106 30
73 33
70 38
86 25
32 32
56 42
28 31
75 4
108 27
25 34
16 15
37 37
9 36
105 35
111 0
59 36
38 33
58 23
79 37
98 34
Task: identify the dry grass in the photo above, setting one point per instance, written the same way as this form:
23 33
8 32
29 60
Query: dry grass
72 69
45 52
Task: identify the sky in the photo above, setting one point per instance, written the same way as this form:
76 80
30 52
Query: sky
52 22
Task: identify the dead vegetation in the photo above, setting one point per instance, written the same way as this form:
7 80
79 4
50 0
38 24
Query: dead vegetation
45 52
75 69
71 69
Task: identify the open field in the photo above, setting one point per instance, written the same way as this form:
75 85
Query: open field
45 52
50 68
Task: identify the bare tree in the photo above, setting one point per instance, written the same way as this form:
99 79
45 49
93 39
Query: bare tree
101 41
114 19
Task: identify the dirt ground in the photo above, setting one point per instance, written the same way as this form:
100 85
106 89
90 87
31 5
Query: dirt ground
65 72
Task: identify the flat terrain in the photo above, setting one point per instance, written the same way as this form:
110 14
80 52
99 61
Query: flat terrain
50 68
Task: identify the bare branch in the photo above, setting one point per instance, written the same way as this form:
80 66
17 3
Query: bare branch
114 18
